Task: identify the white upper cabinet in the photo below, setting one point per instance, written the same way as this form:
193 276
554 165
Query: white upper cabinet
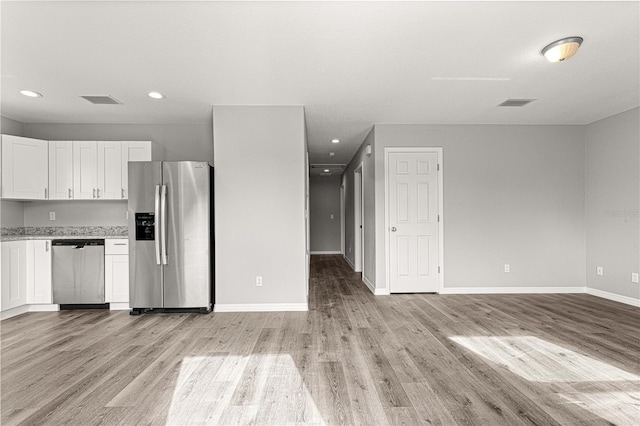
133 151
110 170
97 170
60 170
85 170
34 169
25 168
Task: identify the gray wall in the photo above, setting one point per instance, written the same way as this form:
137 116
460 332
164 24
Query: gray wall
76 213
260 204
324 192
512 194
180 141
369 225
9 126
612 201
12 214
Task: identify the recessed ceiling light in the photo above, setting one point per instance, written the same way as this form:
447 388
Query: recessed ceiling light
326 170
156 95
31 93
562 49
335 140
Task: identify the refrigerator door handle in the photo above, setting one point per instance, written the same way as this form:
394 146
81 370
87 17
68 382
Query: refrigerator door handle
163 224
156 226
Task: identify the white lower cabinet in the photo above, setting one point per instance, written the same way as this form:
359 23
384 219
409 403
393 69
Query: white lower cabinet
39 272
13 274
116 273
26 276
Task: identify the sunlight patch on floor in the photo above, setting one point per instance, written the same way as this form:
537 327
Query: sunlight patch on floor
229 389
537 360
621 408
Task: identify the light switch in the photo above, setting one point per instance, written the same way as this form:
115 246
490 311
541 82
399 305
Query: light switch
52 215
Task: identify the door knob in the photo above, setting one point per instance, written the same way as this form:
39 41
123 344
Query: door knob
393 229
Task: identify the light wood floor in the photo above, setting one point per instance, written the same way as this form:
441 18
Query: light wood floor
352 359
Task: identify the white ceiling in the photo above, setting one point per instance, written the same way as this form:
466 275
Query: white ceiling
350 64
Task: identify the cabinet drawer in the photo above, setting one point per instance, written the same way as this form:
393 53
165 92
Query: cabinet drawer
119 246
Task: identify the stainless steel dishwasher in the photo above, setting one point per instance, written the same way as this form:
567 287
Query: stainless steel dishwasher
78 272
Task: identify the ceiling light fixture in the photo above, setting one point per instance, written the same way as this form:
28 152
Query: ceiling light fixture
156 95
335 140
562 49
326 170
31 93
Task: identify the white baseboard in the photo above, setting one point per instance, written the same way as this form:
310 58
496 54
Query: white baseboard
511 290
373 289
615 297
350 263
44 308
14 312
119 306
326 252
260 307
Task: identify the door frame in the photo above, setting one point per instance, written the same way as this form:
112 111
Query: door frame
342 218
439 151
358 218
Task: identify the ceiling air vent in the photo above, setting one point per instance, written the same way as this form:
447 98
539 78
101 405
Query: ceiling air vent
516 102
102 100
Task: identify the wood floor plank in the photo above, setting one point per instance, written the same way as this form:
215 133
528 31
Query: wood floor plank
353 358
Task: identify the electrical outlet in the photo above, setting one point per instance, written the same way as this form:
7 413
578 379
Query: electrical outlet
258 281
599 270
634 277
52 215
507 268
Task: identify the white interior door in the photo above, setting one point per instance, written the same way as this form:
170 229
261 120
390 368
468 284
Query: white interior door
413 222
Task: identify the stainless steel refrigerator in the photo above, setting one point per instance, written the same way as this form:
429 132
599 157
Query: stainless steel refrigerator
171 244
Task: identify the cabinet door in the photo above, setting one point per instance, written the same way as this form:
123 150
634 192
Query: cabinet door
39 272
85 170
14 277
60 170
133 151
25 164
116 278
110 170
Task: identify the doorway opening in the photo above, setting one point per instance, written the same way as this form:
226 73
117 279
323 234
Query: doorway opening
358 215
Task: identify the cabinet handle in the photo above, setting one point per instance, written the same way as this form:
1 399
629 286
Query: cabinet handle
94 193
70 196
119 244
46 246
98 192
46 193
122 193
